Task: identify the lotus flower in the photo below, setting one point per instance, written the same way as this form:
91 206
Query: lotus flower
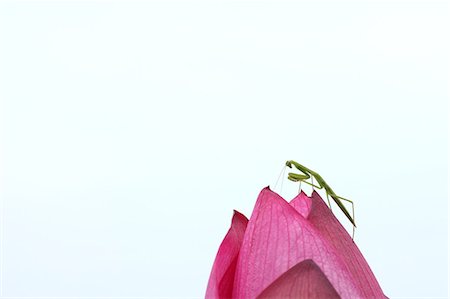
290 250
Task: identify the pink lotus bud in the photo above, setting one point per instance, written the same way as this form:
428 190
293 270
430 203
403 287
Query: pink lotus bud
290 250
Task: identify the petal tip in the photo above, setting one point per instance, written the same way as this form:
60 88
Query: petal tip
238 217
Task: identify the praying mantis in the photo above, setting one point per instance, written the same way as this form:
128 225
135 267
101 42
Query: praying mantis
308 173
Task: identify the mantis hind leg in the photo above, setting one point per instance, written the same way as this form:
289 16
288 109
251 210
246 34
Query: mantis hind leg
353 213
329 203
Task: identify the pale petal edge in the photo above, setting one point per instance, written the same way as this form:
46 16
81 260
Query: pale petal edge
220 284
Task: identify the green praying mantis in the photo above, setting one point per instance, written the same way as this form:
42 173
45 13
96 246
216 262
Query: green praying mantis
307 173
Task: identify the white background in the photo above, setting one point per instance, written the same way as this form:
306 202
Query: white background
131 130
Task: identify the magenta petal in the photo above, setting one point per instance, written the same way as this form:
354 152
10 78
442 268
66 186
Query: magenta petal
220 283
276 239
302 203
304 280
331 229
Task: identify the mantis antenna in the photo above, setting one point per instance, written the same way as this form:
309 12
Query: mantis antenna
283 170
307 173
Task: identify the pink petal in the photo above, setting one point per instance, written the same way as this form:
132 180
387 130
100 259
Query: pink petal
220 283
302 203
276 239
334 233
304 280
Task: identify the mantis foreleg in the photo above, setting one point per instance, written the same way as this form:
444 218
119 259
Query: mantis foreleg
295 177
